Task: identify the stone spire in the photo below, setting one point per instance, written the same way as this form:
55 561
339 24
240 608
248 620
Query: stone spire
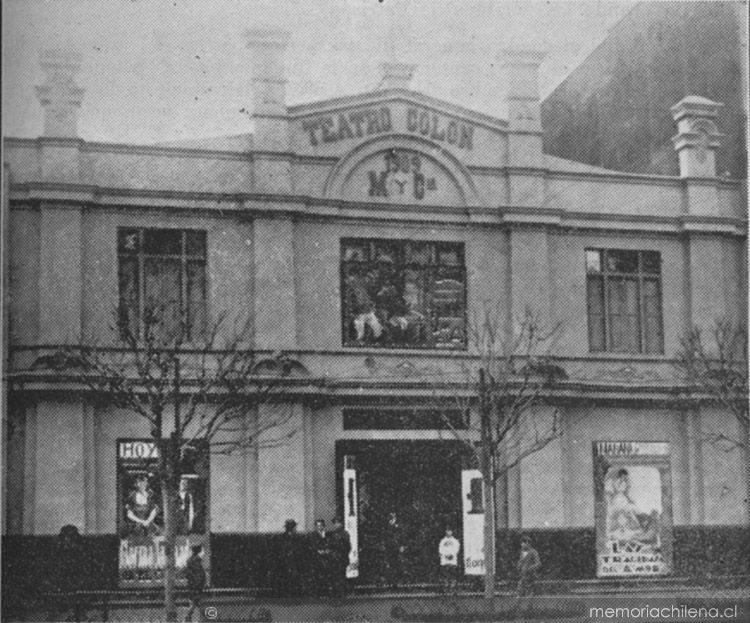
269 88
697 135
59 96
524 156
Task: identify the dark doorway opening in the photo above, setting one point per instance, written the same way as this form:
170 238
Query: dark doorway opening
418 480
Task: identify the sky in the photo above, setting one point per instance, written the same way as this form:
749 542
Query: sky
165 70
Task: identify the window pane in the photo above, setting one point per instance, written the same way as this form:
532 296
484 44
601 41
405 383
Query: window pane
195 243
361 323
163 293
196 299
651 262
129 297
398 296
411 324
386 252
450 255
419 253
653 338
162 241
624 335
448 307
593 261
622 261
127 241
595 295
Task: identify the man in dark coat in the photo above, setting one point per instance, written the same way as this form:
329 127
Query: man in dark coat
341 545
322 551
196 581
288 570
528 565
70 575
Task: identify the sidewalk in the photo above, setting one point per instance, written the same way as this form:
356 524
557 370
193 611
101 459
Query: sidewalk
424 607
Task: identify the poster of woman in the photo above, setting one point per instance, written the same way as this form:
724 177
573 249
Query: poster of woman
140 512
143 511
633 495
633 508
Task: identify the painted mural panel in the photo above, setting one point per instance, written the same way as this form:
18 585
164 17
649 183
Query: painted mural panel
633 508
141 512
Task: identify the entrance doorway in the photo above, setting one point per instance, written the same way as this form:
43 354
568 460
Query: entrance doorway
418 480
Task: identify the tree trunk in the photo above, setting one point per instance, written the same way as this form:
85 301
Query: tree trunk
489 535
169 493
745 453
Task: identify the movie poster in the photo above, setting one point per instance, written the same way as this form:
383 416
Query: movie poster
141 512
633 508
473 516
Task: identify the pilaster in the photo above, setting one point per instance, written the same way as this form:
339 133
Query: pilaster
60 98
60 495
695 468
60 280
696 142
275 325
530 274
525 158
281 468
707 291
271 145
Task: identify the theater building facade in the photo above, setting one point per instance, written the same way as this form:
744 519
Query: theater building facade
360 235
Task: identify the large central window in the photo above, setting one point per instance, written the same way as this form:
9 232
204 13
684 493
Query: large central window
162 275
403 293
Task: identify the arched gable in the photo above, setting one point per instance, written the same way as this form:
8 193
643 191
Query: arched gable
401 169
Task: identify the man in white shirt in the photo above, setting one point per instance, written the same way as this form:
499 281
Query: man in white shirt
449 548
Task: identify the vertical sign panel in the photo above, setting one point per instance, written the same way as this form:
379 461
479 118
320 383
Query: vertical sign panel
473 513
633 508
351 519
140 513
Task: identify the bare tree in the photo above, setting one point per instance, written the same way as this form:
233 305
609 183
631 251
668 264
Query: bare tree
212 391
508 381
713 364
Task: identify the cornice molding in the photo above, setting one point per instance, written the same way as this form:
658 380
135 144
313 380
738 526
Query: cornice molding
94 197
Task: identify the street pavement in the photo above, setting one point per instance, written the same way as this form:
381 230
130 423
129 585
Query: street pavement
429 606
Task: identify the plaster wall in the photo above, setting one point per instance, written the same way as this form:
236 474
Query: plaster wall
24 249
309 178
609 196
542 488
723 475
165 171
59 494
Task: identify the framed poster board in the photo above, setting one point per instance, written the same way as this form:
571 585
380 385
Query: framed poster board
632 508
140 511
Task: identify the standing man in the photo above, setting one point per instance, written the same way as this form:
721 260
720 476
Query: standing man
289 562
323 557
196 581
448 550
528 565
394 550
341 544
